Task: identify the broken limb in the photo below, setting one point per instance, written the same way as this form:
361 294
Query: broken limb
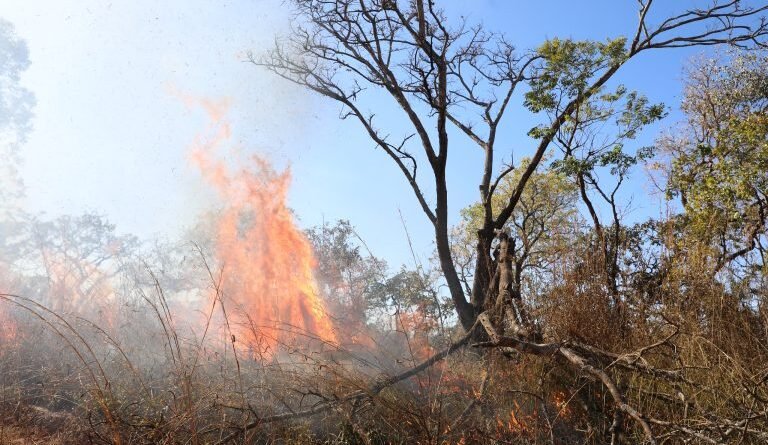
373 390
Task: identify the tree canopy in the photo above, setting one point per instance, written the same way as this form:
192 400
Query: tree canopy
609 289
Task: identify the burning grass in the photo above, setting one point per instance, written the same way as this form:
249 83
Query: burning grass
243 336
150 377
173 356
226 340
148 382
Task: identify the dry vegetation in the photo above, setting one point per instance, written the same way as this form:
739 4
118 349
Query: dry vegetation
691 362
545 316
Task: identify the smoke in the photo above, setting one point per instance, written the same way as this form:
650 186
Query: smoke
86 309
16 103
266 262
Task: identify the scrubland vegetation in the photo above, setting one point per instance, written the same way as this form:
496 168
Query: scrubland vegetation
548 314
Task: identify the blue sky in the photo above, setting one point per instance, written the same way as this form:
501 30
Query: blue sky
110 136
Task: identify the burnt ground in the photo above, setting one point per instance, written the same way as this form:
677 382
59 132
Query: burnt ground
38 426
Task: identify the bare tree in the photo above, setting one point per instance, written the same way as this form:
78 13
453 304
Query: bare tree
440 73
435 71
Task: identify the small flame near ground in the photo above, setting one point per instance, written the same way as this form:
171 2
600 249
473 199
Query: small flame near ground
267 262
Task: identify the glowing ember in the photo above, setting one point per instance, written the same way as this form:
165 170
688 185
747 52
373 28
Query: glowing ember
517 423
267 261
561 401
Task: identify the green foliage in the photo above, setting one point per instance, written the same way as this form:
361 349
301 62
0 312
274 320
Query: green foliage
638 113
567 68
16 104
345 274
412 290
719 164
541 224
360 285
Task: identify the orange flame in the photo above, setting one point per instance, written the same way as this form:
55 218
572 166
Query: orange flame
518 423
266 260
416 324
561 400
79 287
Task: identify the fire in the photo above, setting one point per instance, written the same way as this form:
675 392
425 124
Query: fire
561 401
79 287
267 262
75 287
517 423
416 325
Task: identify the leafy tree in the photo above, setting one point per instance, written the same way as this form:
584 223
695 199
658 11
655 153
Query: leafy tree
345 274
359 286
720 158
543 225
440 73
68 263
16 104
595 143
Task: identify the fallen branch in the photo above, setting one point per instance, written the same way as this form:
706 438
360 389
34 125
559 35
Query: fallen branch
370 392
571 356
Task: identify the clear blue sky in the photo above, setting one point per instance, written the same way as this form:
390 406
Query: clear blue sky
110 137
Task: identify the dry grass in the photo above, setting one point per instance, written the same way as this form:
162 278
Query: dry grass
34 425
145 379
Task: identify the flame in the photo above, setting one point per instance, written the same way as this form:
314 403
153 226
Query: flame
267 262
416 325
561 400
517 422
74 287
79 287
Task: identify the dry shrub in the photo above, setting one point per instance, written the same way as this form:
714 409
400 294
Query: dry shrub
24 423
580 305
149 381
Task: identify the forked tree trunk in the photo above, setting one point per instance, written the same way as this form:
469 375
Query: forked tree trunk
514 320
